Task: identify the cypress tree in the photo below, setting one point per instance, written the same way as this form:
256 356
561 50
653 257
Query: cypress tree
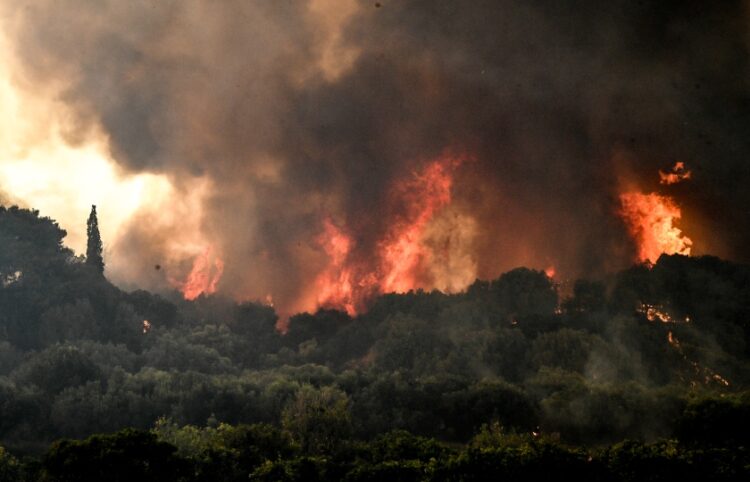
94 246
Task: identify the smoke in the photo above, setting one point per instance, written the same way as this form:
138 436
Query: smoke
291 113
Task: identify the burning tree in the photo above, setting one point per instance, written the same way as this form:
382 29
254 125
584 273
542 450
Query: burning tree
94 246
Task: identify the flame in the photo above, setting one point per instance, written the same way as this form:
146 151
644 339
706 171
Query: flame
335 282
403 258
705 373
657 313
203 277
650 218
678 174
146 326
550 272
402 251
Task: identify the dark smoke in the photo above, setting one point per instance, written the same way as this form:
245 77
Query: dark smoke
557 102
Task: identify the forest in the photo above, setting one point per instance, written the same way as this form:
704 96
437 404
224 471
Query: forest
640 375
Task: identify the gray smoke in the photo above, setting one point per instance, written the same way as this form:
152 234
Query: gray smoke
557 102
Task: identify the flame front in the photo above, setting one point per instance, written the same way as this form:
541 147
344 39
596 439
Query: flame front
204 276
650 220
403 257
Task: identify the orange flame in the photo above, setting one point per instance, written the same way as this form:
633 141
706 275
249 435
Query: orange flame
673 340
402 252
707 374
678 174
204 276
335 282
401 255
650 218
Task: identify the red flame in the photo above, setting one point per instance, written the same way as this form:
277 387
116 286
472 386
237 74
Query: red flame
650 220
401 254
335 282
204 276
678 174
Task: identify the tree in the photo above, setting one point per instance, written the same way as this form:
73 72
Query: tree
318 419
123 456
94 246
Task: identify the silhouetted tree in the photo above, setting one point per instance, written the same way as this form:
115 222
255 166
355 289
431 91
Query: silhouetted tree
94 246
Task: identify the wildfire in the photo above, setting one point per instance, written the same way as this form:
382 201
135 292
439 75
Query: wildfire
677 174
650 220
657 313
335 282
402 256
402 251
204 276
701 372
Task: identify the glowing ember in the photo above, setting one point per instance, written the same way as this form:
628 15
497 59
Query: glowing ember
650 218
678 174
718 378
8 279
657 313
705 373
204 276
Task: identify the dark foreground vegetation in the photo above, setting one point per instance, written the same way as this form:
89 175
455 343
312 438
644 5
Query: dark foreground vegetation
640 376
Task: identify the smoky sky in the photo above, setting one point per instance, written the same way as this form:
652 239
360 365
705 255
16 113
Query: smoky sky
558 104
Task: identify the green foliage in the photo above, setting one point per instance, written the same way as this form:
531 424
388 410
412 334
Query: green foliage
30 244
317 419
389 471
127 455
401 445
565 348
531 461
259 452
722 421
57 368
10 466
74 360
300 469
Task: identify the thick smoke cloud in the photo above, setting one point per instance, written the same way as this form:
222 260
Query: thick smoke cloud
299 112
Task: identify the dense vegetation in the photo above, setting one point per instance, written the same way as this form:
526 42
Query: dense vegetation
639 376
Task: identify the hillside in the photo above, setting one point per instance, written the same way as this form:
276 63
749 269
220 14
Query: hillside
649 353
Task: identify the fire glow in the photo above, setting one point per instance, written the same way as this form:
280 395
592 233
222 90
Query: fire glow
650 220
676 175
658 313
402 259
203 277
702 373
